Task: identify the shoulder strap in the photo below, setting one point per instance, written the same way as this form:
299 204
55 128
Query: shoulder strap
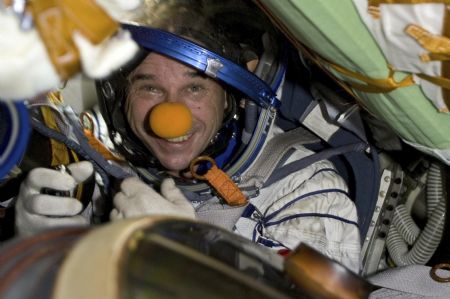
272 154
306 161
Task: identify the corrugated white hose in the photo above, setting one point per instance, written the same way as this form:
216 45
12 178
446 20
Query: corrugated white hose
435 189
425 243
405 225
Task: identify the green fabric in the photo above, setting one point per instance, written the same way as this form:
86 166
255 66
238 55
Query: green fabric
334 30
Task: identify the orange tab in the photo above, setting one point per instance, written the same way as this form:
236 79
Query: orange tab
53 28
100 147
88 127
89 18
220 181
57 20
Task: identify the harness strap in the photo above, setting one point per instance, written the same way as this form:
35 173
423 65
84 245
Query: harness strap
325 154
102 166
334 110
271 155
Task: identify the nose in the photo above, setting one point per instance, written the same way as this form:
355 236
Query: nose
170 119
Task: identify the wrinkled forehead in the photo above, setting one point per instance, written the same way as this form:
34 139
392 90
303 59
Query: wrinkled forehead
159 66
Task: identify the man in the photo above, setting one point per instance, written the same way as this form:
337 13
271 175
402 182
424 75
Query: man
233 113
159 79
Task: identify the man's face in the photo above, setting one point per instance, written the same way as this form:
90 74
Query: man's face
158 79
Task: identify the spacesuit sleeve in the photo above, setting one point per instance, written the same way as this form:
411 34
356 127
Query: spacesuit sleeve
310 205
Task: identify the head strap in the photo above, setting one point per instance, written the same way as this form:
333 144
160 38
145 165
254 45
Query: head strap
205 61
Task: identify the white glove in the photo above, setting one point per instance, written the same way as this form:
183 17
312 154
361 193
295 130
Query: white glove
138 199
36 211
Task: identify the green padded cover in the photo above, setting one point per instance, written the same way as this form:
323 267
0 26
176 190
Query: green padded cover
334 30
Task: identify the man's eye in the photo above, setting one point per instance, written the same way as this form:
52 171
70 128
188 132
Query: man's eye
195 88
149 88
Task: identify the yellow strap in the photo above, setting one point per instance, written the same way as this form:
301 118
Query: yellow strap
55 97
440 81
60 152
437 46
380 85
371 85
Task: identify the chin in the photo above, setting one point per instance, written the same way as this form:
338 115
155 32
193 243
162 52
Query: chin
175 165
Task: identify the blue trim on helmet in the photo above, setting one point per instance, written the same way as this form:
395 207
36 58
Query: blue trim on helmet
222 158
6 122
20 141
205 61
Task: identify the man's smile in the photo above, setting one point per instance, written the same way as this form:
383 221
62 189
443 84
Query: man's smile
178 142
179 139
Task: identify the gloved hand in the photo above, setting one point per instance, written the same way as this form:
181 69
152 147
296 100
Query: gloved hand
138 199
36 211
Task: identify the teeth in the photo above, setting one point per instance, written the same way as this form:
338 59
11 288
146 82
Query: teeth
178 139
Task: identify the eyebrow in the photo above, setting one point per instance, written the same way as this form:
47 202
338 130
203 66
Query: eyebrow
138 77
147 76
